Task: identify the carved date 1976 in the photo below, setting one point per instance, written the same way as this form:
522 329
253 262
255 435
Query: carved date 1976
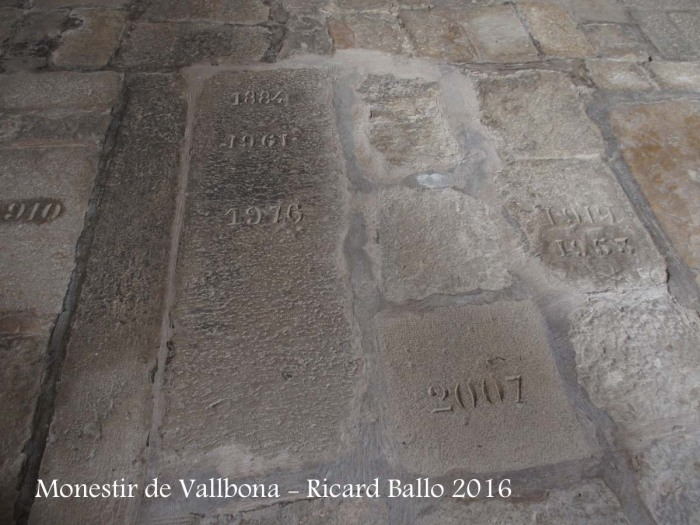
271 214
37 211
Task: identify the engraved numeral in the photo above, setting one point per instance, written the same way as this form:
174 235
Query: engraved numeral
271 214
264 140
572 215
491 392
263 97
599 247
38 211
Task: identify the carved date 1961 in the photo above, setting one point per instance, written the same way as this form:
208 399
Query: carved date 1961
37 211
265 140
270 214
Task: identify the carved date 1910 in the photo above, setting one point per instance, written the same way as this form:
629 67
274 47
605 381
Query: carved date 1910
270 214
37 211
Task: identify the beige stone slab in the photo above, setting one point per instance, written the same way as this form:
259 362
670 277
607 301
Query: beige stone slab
672 41
637 358
618 41
437 242
669 480
376 31
475 387
438 34
677 75
499 35
102 419
166 45
579 224
619 76
262 355
229 11
60 90
93 43
405 122
555 31
661 144
537 114
306 33
590 503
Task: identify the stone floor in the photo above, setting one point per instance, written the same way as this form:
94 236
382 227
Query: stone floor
273 240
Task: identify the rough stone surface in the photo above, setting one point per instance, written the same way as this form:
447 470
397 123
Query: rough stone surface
306 34
63 127
488 34
229 11
111 353
591 503
670 478
661 144
163 45
377 31
599 11
56 4
555 31
406 123
586 235
618 41
93 42
672 42
484 350
437 242
262 235
677 75
34 39
637 357
614 75
537 114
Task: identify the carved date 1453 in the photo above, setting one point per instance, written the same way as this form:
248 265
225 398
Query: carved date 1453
270 214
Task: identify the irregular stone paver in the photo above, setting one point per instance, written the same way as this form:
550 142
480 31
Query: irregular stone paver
307 34
637 357
556 33
375 31
94 42
102 418
599 11
406 123
614 75
488 34
671 41
670 478
36 36
437 242
591 503
229 11
588 235
618 41
677 75
481 382
265 143
537 114
55 4
661 144
167 45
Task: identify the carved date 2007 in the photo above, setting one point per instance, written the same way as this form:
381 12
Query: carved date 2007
271 214
468 395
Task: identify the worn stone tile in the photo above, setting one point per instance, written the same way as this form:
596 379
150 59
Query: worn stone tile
637 357
36 36
102 418
437 242
167 45
481 382
555 31
277 127
377 31
438 34
23 340
666 4
9 17
599 11
499 36
579 224
661 145
55 4
93 42
364 4
405 123
306 33
688 24
537 114
669 473
620 76
591 503
229 11
53 128
618 41
666 36
61 90
677 75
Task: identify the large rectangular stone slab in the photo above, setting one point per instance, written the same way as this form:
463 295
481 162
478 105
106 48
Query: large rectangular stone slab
102 418
661 144
475 387
262 354
586 235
